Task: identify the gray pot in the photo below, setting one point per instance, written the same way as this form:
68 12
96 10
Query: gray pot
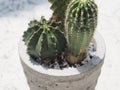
82 78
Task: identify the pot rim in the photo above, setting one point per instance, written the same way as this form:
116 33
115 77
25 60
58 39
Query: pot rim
98 59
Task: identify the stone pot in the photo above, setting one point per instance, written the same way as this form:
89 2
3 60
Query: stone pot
83 78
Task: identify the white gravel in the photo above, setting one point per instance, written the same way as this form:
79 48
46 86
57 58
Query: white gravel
13 22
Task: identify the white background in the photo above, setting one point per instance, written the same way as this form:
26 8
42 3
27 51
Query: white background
14 17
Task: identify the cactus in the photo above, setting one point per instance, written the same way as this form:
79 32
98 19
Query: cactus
80 24
44 40
59 8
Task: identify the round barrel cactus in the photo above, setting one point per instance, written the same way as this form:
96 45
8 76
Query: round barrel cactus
80 24
44 40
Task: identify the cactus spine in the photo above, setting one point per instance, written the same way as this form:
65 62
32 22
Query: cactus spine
80 24
59 8
44 40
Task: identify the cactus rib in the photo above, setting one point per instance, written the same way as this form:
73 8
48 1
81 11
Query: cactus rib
80 24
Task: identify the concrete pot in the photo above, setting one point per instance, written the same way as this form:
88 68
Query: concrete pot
82 78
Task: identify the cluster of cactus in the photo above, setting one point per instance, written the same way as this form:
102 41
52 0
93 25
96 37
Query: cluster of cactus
59 8
80 24
44 40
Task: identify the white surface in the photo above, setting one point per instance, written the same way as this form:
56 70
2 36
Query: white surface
14 22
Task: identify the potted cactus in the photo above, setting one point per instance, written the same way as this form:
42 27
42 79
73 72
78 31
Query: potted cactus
64 52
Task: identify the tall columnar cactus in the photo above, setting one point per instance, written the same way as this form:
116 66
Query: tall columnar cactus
80 24
59 8
44 40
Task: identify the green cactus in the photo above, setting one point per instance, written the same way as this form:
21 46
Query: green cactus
44 40
59 8
80 24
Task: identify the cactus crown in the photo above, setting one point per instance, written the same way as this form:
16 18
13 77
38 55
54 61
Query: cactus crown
80 24
59 8
44 39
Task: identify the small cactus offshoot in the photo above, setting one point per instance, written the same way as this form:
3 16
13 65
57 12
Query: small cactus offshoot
59 8
44 40
80 24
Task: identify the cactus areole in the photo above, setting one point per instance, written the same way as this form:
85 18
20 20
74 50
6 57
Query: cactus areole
44 40
80 24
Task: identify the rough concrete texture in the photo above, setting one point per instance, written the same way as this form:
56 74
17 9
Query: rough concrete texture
83 81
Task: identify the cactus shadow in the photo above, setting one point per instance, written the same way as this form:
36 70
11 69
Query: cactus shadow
33 62
92 63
